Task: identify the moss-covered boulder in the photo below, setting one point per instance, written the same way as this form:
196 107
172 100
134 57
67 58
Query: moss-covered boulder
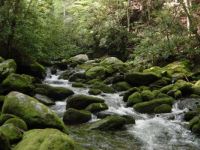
44 99
7 67
137 78
134 99
164 108
194 124
109 123
46 139
18 123
13 133
16 82
78 85
5 117
94 91
147 95
2 98
82 101
149 107
96 72
121 86
78 59
77 77
103 87
96 107
129 92
74 116
56 93
34 113
178 69
4 142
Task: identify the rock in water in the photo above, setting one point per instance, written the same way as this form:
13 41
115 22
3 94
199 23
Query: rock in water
82 101
34 113
46 139
74 116
109 123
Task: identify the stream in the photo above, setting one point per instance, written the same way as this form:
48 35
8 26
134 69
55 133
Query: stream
150 132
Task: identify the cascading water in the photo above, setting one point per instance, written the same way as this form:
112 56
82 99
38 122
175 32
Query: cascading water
155 132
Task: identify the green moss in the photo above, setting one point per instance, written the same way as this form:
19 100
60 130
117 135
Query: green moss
96 107
18 123
96 72
94 91
78 84
147 95
134 99
74 116
7 67
82 101
137 78
103 87
164 108
5 117
121 86
56 93
129 92
148 107
167 88
4 142
16 82
109 123
190 115
34 113
13 133
46 139
1 59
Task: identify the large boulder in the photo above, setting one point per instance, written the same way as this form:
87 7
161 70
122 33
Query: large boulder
44 99
96 107
103 87
96 72
4 142
82 101
56 93
149 107
134 99
16 82
78 59
74 116
13 133
194 124
34 113
7 67
21 124
137 78
109 123
121 86
46 139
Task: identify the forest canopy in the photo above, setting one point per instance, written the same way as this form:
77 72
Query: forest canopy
55 29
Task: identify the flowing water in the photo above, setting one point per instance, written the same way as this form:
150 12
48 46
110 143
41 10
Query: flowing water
150 132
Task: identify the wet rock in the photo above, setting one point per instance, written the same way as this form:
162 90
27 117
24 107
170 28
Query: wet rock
46 139
56 93
109 123
77 77
5 117
121 86
164 108
13 133
103 87
78 85
147 95
94 91
134 99
44 99
137 78
194 124
82 101
149 107
34 113
74 116
7 67
4 142
78 59
16 82
17 122
97 72
96 107
129 92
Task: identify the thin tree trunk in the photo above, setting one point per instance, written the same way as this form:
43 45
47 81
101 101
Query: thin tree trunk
128 15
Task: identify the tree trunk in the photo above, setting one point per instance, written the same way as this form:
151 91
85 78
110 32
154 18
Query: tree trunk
128 15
